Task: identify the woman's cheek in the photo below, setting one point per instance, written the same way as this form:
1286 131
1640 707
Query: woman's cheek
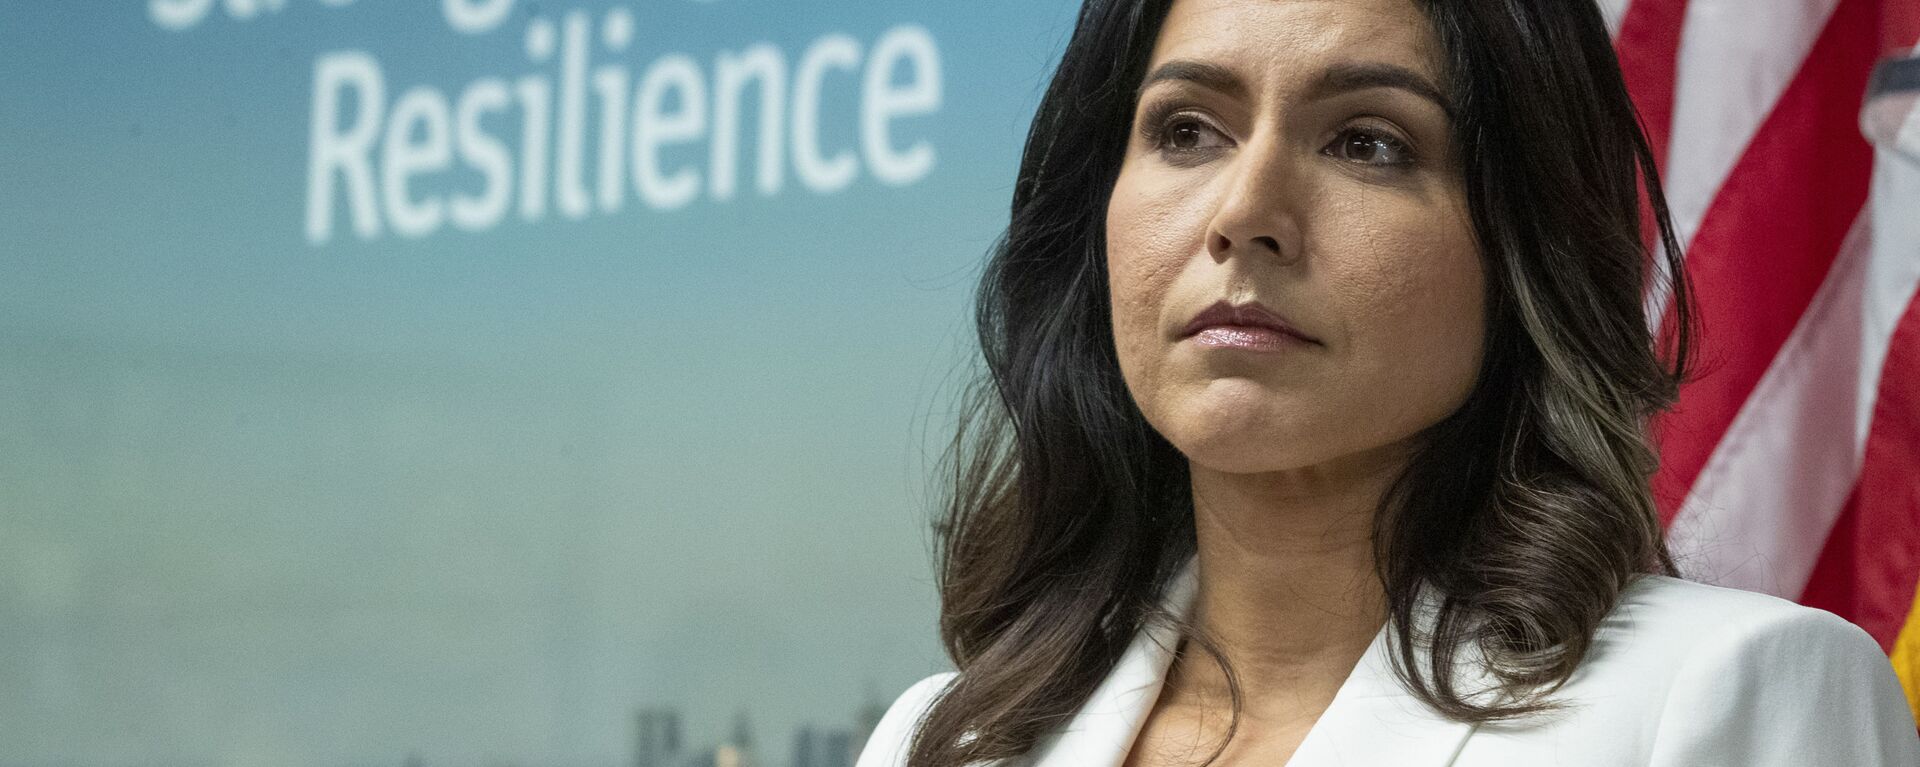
1137 299
1416 312
1144 259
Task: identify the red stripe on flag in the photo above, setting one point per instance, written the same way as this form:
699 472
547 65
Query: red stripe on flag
1649 48
1899 27
1767 241
1871 564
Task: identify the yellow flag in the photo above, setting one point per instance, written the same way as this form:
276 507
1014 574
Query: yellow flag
1906 657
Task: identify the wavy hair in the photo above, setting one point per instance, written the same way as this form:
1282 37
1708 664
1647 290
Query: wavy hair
1528 508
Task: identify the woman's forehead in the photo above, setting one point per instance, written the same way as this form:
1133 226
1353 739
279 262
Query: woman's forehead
1262 39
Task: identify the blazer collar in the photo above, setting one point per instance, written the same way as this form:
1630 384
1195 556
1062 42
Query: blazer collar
1372 720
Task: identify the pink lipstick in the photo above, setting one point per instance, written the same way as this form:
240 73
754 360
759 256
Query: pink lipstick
1248 326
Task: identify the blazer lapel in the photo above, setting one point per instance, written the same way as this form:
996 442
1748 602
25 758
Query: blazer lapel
1372 720
1101 733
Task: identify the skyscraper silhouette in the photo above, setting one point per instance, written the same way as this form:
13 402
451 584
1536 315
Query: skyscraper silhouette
822 747
657 738
742 736
738 750
870 715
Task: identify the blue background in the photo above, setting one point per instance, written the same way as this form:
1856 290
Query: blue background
471 498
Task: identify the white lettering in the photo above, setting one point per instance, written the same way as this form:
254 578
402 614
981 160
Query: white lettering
177 15
536 100
819 173
343 151
402 159
610 85
570 190
245 9
653 128
881 102
483 153
475 17
642 127
731 73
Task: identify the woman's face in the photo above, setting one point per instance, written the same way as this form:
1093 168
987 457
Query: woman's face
1294 154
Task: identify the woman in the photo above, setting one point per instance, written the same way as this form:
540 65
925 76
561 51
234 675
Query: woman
1313 431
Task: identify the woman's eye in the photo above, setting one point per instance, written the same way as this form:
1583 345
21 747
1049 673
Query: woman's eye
1367 147
1188 134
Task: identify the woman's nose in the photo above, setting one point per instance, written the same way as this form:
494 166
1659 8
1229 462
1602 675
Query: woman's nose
1256 213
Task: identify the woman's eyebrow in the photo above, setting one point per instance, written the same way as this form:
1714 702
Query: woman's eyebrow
1339 78
1346 77
1203 74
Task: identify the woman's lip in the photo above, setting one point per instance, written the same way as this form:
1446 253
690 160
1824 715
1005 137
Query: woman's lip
1243 318
1245 337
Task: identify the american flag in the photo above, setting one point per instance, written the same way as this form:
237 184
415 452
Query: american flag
1791 464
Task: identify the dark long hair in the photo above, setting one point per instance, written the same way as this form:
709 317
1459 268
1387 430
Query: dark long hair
1528 507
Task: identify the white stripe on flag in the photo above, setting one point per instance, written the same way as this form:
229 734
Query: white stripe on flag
1759 514
1736 57
1613 11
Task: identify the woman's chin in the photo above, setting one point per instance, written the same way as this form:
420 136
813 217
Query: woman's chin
1231 448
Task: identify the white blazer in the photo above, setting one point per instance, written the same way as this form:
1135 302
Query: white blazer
1680 674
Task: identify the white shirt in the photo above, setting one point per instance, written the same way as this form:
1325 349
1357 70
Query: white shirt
1680 674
